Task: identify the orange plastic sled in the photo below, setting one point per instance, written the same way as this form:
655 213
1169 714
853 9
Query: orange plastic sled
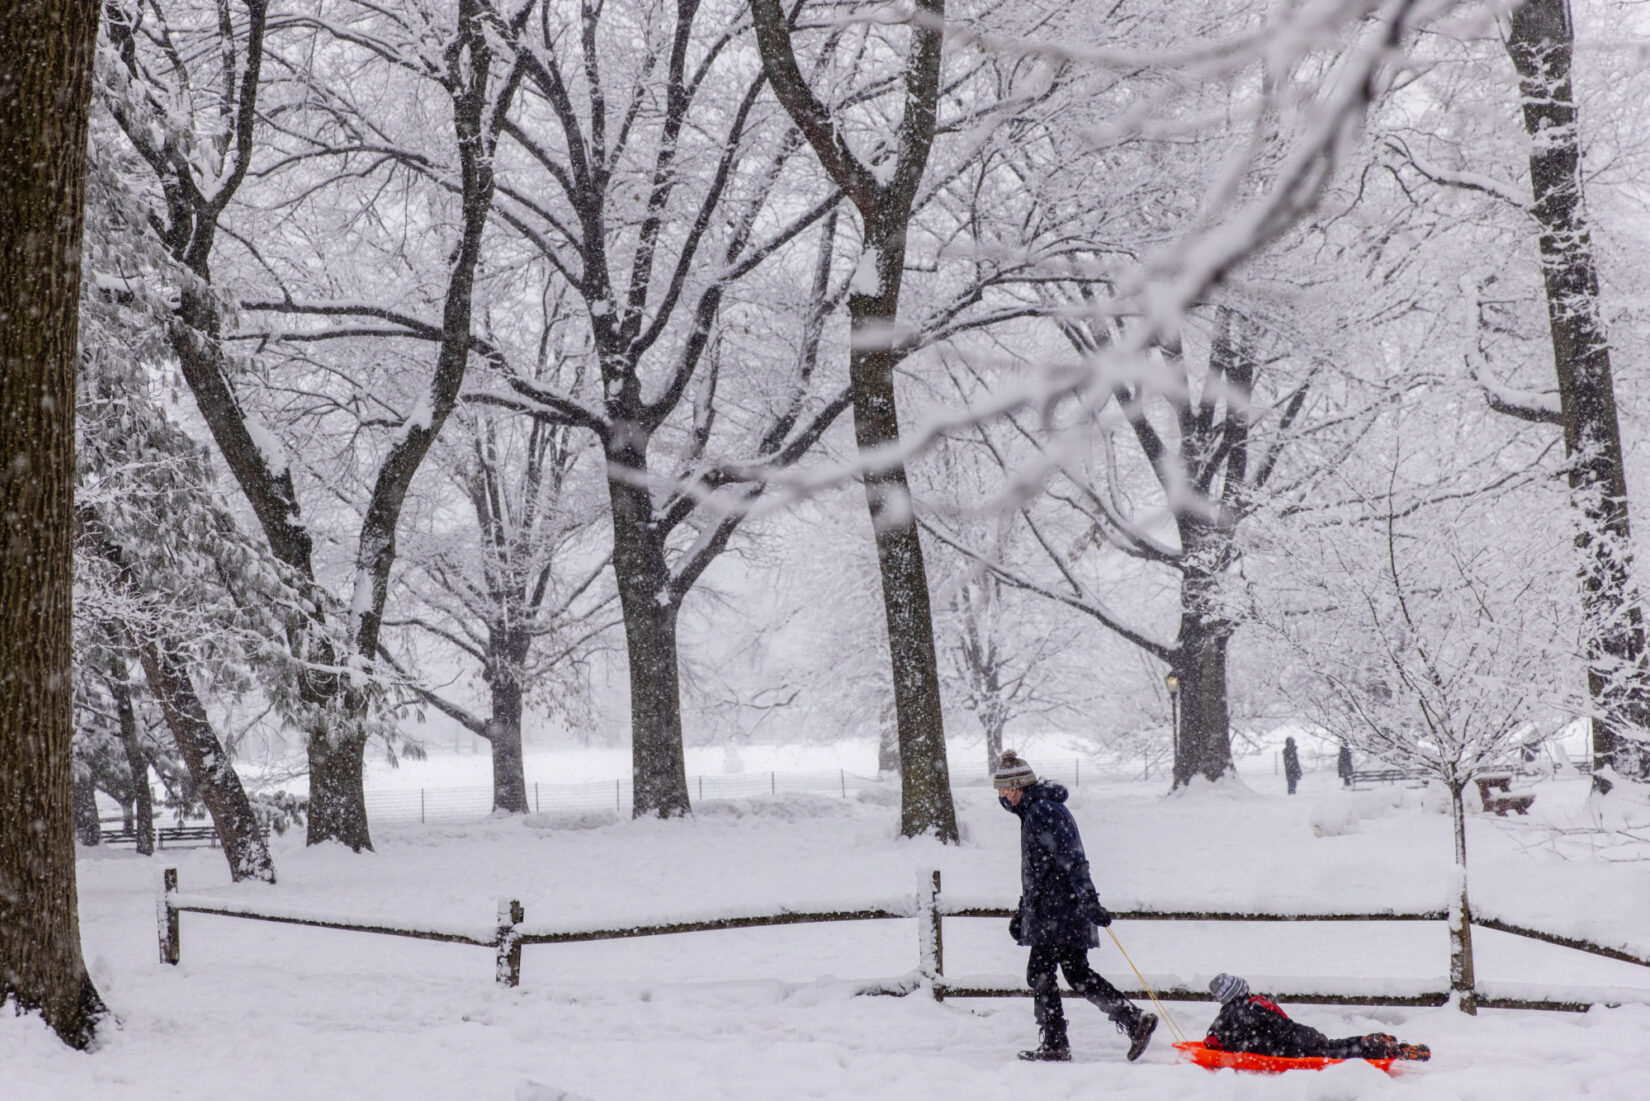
1214 1059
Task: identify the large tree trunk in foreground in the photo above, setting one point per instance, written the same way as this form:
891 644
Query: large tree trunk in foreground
46 51
1540 42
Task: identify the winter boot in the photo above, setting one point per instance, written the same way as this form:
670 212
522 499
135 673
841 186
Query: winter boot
1419 1052
1138 1027
1054 1048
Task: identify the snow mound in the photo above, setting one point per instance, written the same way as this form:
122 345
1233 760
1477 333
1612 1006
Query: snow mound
554 821
530 1090
790 807
1339 814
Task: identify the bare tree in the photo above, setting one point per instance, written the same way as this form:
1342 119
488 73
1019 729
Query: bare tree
46 49
599 193
1209 435
155 119
1457 636
884 196
516 597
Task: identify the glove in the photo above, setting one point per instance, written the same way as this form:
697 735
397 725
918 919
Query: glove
1096 912
1014 926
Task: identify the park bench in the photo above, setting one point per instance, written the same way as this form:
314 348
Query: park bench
165 835
1382 776
1506 801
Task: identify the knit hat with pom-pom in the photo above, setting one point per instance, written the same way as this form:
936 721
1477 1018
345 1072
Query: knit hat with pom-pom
1012 772
1226 987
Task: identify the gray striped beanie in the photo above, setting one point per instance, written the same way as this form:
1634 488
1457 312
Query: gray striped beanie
1227 987
1012 772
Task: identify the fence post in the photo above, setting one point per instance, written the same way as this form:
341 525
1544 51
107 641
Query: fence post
842 774
618 806
166 918
420 806
773 784
930 939
508 969
1077 765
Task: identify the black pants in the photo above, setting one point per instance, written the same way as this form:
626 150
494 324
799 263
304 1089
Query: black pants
1084 980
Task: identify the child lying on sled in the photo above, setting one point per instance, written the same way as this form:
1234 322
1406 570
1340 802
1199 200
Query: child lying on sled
1249 1022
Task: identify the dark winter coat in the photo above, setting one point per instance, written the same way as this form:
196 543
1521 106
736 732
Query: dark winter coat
1343 764
1291 763
1256 1024
1058 903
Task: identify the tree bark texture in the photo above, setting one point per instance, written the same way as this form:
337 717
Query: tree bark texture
1541 42
658 765
1204 745
885 210
46 49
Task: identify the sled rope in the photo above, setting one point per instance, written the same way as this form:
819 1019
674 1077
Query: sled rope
1162 1010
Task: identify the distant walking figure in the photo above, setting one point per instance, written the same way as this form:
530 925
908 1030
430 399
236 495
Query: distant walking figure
1343 765
1291 764
1059 909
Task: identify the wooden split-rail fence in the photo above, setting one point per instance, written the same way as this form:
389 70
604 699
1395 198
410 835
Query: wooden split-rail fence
928 908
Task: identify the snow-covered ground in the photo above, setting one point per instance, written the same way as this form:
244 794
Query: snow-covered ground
257 1010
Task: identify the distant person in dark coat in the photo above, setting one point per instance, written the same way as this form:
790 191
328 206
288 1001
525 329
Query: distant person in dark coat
1249 1022
1291 764
1343 765
1058 912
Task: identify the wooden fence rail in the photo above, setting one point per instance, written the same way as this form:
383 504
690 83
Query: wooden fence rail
929 909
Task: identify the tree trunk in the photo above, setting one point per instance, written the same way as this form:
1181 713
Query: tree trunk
504 727
885 201
87 829
658 766
209 766
215 778
337 800
46 49
1540 43
991 722
1461 978
143 800
925 780
1204 745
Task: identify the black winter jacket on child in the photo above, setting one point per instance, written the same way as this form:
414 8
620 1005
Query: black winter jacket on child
1256 1024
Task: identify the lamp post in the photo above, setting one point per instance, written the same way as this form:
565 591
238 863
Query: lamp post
1172 683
